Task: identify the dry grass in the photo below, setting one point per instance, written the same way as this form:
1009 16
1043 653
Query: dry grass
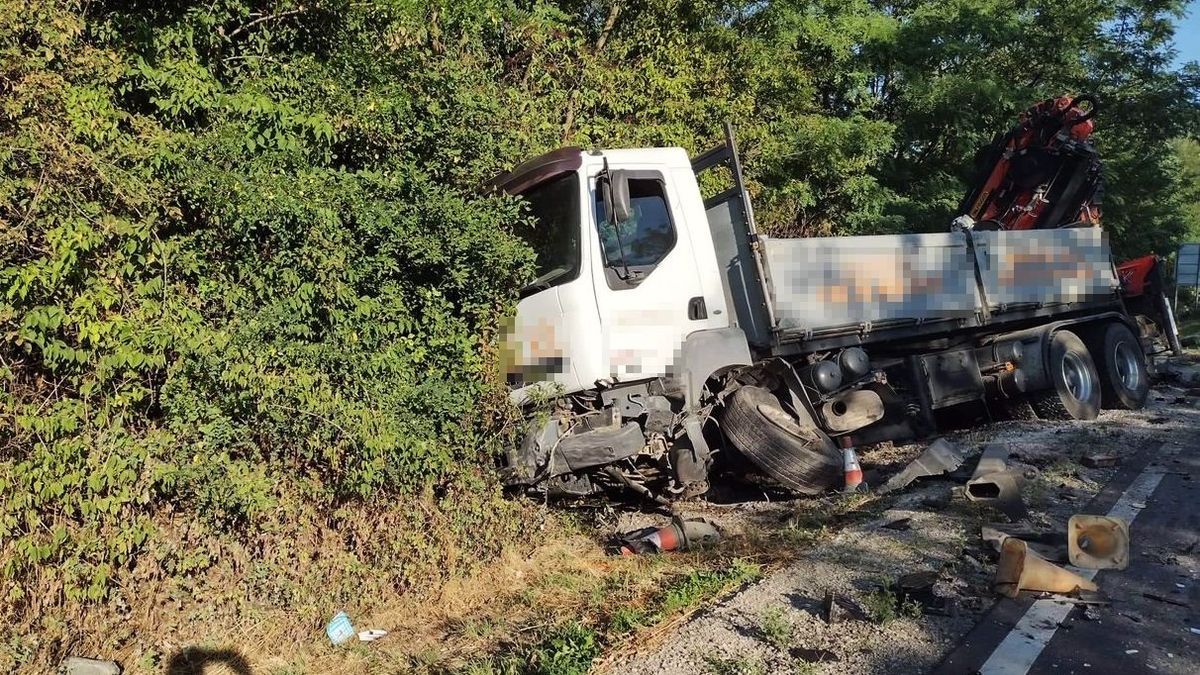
262 605
507 606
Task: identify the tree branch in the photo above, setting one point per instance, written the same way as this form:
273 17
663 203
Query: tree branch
609 23
268 17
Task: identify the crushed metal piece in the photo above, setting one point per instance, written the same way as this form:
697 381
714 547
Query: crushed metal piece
1049 544
1169 601
939 458
993 460
835 606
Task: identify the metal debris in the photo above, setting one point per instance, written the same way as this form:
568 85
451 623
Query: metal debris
939 458
994 459
1049 544
918 587
1169 601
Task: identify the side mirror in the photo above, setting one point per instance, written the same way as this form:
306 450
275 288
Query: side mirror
614 191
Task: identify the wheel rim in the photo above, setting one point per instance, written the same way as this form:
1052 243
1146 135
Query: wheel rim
776 415
1078 377
1126 363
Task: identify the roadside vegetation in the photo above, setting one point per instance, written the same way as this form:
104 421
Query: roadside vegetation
251 291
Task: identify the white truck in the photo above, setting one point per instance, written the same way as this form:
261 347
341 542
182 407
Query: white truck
664 329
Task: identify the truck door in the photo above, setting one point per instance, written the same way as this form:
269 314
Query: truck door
555 336
648 279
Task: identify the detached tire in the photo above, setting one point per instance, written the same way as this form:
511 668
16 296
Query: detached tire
1075 384
795 453
1124 380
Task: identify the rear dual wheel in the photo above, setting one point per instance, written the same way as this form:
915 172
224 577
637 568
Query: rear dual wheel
1124 379
1075 383
1080 384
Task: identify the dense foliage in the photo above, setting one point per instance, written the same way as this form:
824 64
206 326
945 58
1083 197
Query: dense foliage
244 259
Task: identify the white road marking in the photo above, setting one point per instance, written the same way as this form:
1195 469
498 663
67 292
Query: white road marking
1020 648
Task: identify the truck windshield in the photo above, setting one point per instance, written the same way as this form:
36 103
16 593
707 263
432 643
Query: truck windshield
554 232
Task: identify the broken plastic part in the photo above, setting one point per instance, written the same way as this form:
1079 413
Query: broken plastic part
1020 569
680 535
1098 542
1000 490
78 665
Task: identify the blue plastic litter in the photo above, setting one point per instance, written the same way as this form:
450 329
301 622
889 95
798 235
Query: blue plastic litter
340 629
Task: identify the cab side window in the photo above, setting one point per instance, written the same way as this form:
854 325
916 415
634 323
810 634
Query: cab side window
633 249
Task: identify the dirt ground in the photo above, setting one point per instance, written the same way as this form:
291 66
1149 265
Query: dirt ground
776 624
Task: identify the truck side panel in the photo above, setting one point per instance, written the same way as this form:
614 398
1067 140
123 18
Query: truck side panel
1044 266
823 282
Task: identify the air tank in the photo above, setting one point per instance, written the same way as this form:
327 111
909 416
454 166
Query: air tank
824 376
854 363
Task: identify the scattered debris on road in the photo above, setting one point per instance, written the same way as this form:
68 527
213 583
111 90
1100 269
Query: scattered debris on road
859 551
1098 542
1021 569
1100 460
680 535
940 457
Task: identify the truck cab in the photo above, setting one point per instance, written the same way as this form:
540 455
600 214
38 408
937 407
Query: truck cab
612 303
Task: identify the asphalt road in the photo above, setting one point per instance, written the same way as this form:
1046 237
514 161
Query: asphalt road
1154 604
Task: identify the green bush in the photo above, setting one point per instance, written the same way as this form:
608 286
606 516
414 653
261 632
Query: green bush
234 261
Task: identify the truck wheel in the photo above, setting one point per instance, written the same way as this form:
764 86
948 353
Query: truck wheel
793 452
1076 384
1124 380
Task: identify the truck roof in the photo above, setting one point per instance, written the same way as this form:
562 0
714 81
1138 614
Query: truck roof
556 162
